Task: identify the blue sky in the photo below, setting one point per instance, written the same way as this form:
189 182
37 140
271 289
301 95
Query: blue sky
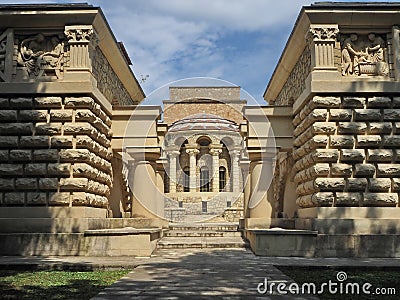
239 41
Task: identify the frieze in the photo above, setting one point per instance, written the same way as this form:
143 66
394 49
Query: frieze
295 84
107 81
40 55
364 55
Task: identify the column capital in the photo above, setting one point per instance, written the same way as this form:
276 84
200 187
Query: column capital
173 153
324 32
80 34
192 151
215 152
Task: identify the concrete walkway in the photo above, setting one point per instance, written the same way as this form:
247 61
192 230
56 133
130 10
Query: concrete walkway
192 273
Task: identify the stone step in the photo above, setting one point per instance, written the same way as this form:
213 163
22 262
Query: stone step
202 233
201 242
205 227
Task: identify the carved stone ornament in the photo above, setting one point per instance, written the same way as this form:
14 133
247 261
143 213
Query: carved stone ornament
324 33
82 34
364 55
6 54
41 55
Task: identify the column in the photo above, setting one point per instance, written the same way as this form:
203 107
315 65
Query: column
79 38
172 155
261 177
192 168
215 150
144 184
245 166
235 171
323 38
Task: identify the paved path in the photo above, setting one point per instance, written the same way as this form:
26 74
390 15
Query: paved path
192 273
198 274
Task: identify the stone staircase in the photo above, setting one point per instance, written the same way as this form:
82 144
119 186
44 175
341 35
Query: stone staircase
202 235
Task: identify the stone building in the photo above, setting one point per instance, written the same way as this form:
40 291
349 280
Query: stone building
86 170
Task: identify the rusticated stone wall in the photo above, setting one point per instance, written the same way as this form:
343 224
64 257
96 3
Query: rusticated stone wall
347 151
54 151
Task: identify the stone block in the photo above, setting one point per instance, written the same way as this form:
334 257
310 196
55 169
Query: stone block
98 188
35 169
379 184
323 199
396 102
367 115
74 155
348 199
353 102
384 170
341 170
341 141
9 142
21 103
15 198
84 170
46 155
396 184
324 127
61 142
8 115
48 183
357 184
336 114
81 102
324 102
26 183
330 184
352 127
4 156
364 170
396 128
380 199
392 141
391 114
33 115
326 155
79 199
48 128
48 102
368 141
11 169
73 184
61 115
380 128
4 103
16 129
62 198
84 115
379 102
6 184
379 155
35 198
20 155
78 128
34 141
59 169
352 155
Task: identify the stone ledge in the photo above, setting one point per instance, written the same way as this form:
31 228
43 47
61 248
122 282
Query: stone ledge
121 231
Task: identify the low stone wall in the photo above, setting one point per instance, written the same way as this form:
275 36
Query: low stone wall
347 151
54 151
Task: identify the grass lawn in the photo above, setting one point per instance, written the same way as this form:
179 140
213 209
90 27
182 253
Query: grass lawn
380 279
15 284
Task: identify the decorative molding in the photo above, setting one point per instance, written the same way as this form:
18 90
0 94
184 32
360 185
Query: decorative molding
80 34
321 32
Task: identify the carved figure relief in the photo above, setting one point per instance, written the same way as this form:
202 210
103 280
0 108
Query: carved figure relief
364 55
41 55
6 49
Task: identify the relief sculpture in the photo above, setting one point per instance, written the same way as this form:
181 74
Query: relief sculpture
364 55
41 55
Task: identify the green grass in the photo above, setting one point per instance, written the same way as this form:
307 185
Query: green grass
378 278
55 284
